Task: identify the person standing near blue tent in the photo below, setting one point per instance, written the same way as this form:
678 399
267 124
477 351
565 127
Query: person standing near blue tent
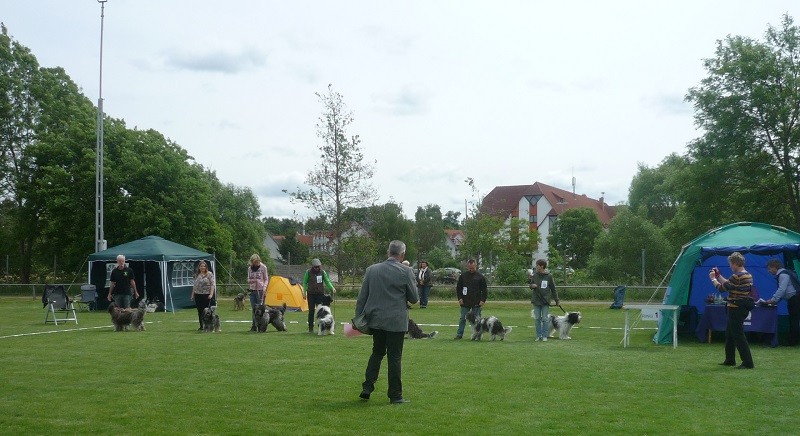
739 304
787 290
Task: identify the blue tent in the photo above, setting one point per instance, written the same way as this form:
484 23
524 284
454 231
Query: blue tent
689 284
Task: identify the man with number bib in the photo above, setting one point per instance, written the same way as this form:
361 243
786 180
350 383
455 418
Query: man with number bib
543 289
471 291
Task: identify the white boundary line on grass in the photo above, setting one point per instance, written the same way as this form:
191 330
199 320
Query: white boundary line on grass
62 331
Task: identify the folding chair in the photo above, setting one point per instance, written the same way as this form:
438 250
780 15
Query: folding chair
57 302
88 298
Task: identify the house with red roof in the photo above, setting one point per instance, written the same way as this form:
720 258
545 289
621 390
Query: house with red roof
540 205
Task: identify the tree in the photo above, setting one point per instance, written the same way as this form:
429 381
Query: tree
573 235
617 255
451 220
428 229
748 108
387 224
481 237
654 192
284 226
341 178
295 252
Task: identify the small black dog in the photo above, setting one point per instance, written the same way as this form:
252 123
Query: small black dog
415 332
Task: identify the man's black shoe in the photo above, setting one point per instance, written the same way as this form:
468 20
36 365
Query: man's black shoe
400 400
743 366
364 395
726 363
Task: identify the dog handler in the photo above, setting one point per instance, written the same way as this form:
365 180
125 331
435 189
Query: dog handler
122 281
543 288
471 291
203 290
257 280
314 283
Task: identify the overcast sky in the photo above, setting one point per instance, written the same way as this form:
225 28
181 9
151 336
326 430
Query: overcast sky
504 92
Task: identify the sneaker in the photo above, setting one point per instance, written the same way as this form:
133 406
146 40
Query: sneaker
544 339
457 337
538 339
400 400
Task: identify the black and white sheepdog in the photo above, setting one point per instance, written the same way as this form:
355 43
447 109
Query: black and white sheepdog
265 316
210 319
490 325
563 324
124 318
324 316
415 332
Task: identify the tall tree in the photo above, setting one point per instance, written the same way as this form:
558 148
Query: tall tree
748 107
295 252
428 229
617 255
451 220
388 224
341 179
573 235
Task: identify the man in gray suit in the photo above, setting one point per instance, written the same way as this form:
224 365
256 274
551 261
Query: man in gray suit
386 288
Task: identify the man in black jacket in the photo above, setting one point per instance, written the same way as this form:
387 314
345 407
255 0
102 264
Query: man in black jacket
471 292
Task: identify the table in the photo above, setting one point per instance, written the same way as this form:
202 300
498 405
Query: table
626 336
763 319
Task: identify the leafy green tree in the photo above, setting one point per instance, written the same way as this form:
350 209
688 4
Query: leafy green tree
440 257
284 226
359 253
428 229
654 192
295 252
451 220
617 254
747 106
388 224
482 237
573 235
341 179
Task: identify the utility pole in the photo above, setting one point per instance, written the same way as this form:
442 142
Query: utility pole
99 234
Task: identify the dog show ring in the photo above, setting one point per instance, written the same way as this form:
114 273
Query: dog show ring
626 336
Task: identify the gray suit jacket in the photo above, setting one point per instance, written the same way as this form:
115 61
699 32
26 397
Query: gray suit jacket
386 288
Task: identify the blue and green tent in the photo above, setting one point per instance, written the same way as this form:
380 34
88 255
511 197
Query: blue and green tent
689 284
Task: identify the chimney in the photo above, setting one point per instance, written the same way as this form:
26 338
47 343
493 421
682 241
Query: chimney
602 201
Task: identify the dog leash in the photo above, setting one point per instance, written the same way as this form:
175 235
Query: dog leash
559 306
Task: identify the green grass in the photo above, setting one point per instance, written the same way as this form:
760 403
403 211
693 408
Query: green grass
171 379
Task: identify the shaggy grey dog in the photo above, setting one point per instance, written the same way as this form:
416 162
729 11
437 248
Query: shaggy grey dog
238 301
210 319
124 318
414 332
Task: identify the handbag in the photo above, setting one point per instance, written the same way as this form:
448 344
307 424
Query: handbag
359 322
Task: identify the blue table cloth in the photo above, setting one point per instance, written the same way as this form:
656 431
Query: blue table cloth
762 319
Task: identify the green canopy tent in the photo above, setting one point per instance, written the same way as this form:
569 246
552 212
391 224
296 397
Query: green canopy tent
163 270
689 284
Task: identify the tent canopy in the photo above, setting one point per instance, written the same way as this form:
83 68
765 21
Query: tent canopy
151 248
160 269
689 284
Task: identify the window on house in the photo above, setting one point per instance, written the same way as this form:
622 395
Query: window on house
532 219
183 274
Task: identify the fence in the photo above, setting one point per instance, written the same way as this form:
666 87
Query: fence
438 292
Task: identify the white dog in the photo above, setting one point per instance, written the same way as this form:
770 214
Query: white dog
563 324
324 317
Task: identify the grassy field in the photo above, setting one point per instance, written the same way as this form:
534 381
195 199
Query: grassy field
170 379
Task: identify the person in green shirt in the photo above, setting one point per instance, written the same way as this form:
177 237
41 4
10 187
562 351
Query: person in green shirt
315 282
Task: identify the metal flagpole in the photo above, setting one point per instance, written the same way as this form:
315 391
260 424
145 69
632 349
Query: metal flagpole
99 235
